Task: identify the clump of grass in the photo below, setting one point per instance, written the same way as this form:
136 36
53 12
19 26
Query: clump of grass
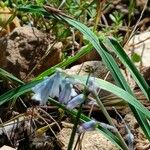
51 86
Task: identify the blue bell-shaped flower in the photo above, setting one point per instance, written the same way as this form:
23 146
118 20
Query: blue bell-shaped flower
88 126
42 90
74 102
65 94
50 86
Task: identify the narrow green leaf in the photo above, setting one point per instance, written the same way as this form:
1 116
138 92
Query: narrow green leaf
119 92
8 75
14 93
130 66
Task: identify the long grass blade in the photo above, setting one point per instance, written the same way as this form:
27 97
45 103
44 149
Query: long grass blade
5 74
130 66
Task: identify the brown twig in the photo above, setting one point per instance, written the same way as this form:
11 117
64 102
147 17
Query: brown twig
137 23
55 11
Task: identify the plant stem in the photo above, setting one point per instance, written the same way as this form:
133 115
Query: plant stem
98 15
70 145
124 145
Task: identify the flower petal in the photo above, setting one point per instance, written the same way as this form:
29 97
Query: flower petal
75 101
39 86
65 94
48 87
55 88
73 92
42 90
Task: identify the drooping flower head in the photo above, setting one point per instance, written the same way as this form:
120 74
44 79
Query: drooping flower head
65 94
42 90
50 86
58 86
87 126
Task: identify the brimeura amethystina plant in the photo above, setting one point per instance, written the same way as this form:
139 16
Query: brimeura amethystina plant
62 87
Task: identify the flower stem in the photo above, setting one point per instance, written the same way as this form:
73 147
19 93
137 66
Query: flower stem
124 145
70 145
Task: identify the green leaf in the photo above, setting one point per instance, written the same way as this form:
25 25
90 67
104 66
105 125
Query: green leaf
136 57
112 44
112 18
8 75
117 91
130 66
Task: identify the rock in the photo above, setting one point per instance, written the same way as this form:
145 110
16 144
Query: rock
7 148
98 68
141 44
140 141
92 56
93 140
23 49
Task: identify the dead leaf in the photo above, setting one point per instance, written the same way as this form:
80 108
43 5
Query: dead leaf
5 14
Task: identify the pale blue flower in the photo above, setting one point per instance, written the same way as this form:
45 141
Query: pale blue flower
50 86
88 126
55 88
42 90
74 102
67 90
65 94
